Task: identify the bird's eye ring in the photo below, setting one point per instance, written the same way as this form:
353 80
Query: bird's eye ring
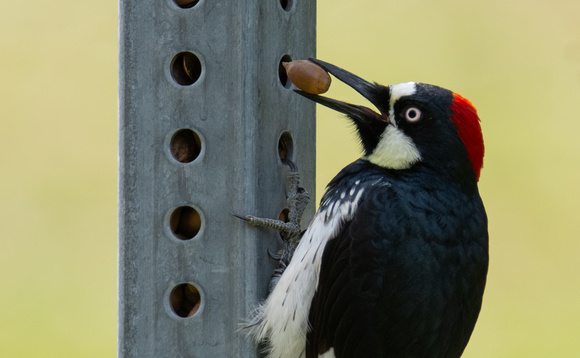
413 114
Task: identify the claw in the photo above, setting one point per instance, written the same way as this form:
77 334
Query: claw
245 218
274 256
291 164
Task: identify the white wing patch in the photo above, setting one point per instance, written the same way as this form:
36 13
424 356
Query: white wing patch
282 320
328 354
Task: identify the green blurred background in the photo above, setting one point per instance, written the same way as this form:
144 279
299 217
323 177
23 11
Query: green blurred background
517 61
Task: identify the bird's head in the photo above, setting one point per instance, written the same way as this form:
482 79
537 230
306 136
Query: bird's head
416 124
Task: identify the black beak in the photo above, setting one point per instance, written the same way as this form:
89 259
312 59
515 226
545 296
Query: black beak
373 92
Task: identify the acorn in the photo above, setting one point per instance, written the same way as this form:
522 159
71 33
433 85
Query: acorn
307 76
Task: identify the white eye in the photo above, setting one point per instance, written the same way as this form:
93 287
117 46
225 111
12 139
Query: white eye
413 114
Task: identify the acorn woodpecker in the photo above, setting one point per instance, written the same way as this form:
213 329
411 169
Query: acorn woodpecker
394 262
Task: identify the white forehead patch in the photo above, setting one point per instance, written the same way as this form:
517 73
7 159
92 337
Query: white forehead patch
401 90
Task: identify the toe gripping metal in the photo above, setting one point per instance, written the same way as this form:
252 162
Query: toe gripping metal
289 228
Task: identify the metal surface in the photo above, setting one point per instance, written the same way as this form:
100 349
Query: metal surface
239 109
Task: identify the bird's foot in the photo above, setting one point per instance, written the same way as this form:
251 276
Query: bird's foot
285 228
288 225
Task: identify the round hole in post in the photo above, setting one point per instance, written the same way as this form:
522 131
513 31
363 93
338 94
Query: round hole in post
186 4
185 68
185 222
285 147
284 215
185 145
282 75
185 300
286 4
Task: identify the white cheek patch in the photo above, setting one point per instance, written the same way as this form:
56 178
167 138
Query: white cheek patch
395 150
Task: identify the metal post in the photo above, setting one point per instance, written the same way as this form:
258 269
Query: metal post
203 112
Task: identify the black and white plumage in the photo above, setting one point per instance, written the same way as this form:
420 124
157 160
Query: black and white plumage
394 262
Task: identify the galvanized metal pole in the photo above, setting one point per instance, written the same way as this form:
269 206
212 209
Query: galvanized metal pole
205 113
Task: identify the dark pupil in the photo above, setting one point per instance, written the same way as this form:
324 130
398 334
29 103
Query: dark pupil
412 114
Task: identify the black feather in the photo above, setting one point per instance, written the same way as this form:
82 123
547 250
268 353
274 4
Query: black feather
405 276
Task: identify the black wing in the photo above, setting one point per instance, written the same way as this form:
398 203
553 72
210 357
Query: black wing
345 308
402 278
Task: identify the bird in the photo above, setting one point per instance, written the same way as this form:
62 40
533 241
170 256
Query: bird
394 262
